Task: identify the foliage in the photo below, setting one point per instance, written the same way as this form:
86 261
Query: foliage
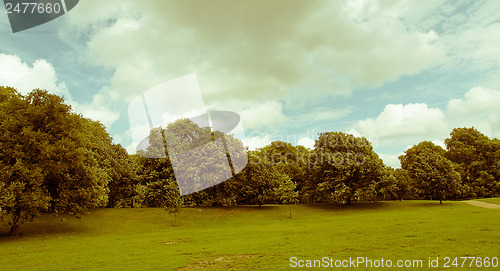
123 171
432 173
286 192
201 168
51 159
258 180
173 200
406 186
288 159
478 159
345 169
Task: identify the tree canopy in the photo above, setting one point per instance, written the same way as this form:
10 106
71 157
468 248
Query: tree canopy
433 174
344 168
478 160
51 159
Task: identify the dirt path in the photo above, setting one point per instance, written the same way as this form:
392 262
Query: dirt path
483 204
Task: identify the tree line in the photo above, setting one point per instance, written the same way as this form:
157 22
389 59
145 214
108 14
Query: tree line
53 160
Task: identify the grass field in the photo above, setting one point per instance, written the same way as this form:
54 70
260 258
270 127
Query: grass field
251 238
491 200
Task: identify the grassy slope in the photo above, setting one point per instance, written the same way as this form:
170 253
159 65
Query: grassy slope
491 200
246 237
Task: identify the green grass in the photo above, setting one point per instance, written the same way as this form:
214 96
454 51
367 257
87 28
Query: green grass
249 238
491 200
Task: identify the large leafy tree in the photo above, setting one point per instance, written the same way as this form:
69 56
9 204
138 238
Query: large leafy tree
258 180
123 170
431 172
405 185
155 174
288 159
478 159
343 169
202 156
51 159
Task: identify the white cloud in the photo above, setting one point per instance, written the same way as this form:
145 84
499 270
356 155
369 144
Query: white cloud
255 142
353 132
331 47
479 101
245 63
98 112
479 108
405 124
439 143
328 48
391 160
25 77
262 115
412 123
322 114
306 142
41 74
471 38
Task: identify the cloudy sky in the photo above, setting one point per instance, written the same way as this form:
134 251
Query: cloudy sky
396 72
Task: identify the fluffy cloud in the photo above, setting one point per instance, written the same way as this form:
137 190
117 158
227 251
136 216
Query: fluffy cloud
255 142
306 142
332 46
25 77
268 114
405 124
98 112
322 114
41 74
391 160
470 36
479 108
248 55
412 123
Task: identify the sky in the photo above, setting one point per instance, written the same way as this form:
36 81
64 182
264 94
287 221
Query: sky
395 72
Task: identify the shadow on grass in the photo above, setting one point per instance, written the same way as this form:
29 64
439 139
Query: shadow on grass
43 226
430 203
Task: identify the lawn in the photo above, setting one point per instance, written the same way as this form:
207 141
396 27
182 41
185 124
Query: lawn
246 238
491 200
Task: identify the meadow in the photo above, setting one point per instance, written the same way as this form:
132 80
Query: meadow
251 238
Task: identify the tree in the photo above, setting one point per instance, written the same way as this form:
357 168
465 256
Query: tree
286 192
406 187
343 168
258 180
173 201
124 177
388 187
201 158
478 159
51 159
288 159
433 174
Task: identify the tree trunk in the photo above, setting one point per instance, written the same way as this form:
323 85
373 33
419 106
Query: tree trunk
16 218
290 207
440 201
175 220
14 230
